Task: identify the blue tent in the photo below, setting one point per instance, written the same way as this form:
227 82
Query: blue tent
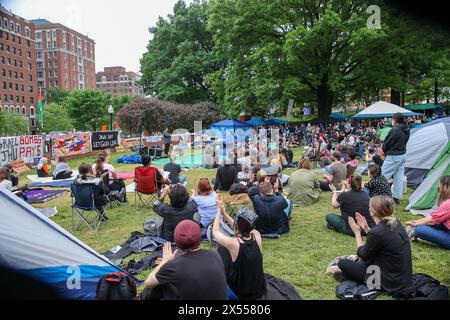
440 120
230 124
256 122
35 246
275 121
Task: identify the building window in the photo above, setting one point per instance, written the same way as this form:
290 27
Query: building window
54 43
33 123
17 28
27 33
38 35
24 110
12 26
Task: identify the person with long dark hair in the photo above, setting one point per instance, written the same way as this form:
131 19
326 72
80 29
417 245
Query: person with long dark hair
105 171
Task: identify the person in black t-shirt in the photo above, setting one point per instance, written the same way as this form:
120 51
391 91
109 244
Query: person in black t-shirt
226 176
387 246
349 202
189 273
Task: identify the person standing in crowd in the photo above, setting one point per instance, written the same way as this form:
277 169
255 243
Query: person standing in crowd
270 207
175 170
349 202
378 185
304 187
394 149
205 198
62 170
435 228
181 208
167 139
189 273
387 246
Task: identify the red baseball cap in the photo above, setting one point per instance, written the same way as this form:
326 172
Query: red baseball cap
187 235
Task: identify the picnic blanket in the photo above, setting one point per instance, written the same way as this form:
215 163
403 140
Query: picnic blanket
48 212
52 184
41 196
126 175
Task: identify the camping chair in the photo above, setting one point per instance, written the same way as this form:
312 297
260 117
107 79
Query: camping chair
83 207
146 190
314 158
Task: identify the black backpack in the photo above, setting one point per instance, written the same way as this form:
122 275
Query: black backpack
352 290
116 286
425 287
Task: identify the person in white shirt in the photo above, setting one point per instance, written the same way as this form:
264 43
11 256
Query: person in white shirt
4 181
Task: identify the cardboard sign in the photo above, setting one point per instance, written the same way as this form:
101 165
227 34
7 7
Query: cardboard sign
21 147
104 140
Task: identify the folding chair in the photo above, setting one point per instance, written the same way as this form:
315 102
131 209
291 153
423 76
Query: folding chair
314 159
83 207
146 190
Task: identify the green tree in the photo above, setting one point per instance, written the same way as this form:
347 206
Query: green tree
88 108
12 124
56 95
180 55
57 118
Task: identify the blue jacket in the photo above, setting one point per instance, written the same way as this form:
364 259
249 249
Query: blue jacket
271 216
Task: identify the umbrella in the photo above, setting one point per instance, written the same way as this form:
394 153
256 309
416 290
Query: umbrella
382 109
274 121
230 124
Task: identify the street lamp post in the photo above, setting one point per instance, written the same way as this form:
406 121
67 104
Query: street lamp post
110 111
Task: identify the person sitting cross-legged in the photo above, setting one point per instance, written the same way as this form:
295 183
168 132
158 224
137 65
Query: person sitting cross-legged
270 208
176 173
350 202
378 185
435 228
387 247
189 273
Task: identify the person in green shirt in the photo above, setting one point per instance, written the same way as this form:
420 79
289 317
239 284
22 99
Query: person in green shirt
304 187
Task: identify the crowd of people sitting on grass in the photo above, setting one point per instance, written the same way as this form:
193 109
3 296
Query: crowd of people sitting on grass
249 200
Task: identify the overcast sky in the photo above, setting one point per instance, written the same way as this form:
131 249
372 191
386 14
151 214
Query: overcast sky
119 28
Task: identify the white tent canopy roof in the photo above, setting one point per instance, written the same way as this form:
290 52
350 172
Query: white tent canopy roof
382 109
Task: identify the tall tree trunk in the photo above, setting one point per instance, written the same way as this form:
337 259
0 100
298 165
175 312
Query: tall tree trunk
402 99
324 100
436 91
395 97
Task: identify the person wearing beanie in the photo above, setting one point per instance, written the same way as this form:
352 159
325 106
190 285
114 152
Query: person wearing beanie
189 273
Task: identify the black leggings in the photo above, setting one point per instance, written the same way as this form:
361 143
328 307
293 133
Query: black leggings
352 270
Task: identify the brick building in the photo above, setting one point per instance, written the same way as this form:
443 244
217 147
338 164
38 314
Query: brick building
118 81
65 59
18 84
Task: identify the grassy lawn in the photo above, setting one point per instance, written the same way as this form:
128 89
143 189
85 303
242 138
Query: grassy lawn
299 257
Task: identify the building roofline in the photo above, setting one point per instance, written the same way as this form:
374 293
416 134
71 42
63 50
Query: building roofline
61 26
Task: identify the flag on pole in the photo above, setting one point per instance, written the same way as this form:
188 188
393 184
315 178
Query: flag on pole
40 111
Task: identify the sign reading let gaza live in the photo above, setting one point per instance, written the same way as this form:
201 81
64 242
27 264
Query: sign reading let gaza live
104 140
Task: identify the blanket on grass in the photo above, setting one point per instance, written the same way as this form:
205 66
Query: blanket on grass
41 196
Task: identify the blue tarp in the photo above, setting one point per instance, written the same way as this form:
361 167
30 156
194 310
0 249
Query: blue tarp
131 159
275 121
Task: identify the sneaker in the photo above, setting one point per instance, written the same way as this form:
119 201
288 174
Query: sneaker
397 201
411 231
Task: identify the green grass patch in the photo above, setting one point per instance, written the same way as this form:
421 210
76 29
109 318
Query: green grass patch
300 257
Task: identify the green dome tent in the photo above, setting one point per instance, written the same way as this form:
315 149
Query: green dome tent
383 132
427 160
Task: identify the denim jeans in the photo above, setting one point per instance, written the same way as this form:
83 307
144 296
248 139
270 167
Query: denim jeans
439 235
394 167
288 210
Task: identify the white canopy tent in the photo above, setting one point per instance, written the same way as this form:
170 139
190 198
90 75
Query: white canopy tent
383 109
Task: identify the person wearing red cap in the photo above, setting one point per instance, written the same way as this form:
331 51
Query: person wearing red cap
189 273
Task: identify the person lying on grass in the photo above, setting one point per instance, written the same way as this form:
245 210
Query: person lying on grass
435 228
387 247
189 273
